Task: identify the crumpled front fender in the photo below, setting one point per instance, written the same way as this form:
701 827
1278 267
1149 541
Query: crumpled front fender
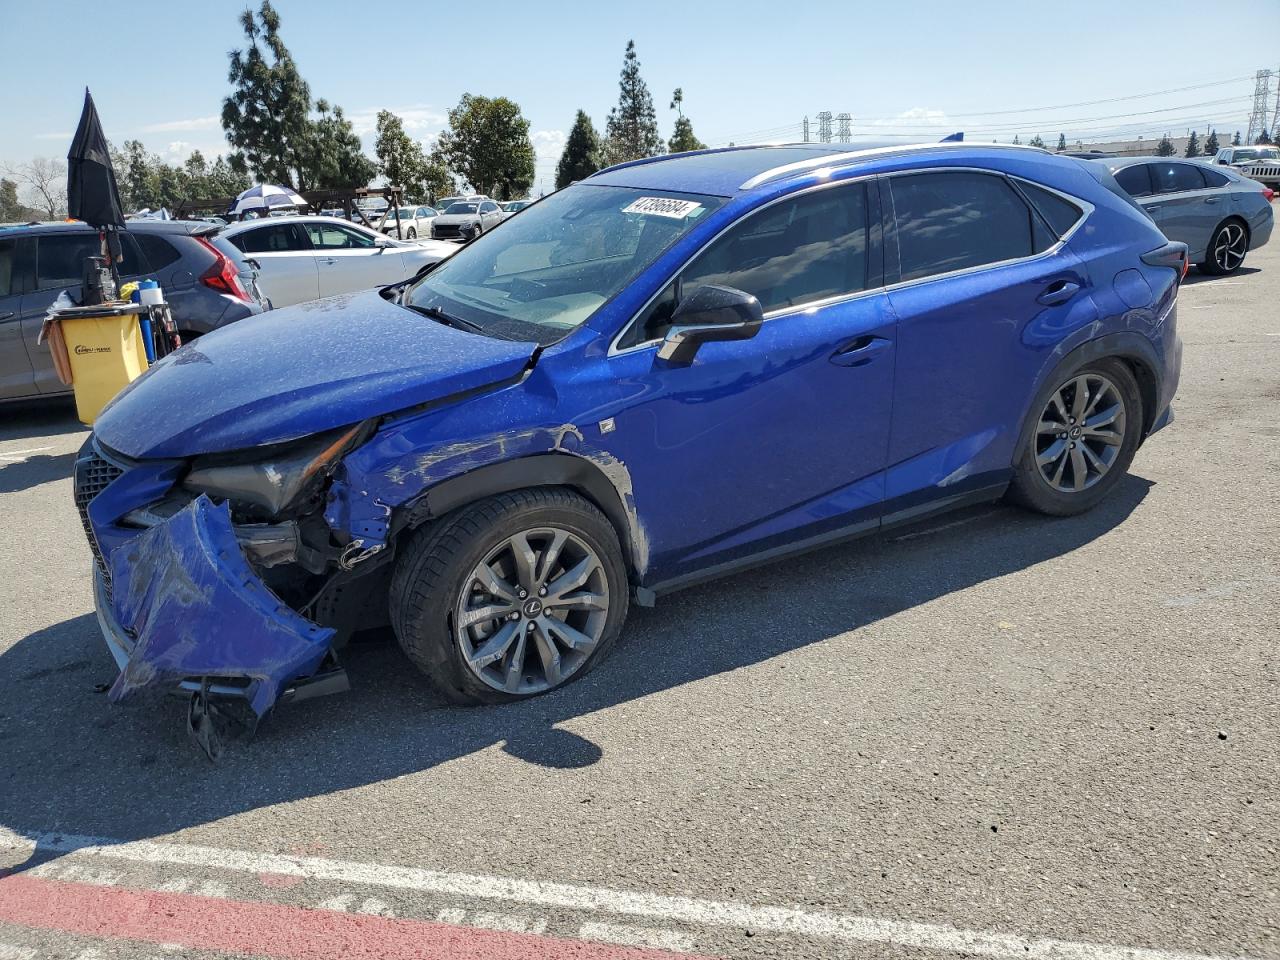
186 597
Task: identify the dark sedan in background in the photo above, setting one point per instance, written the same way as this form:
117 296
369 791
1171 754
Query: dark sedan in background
207 282
1218 213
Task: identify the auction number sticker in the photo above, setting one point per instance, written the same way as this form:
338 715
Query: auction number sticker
663 207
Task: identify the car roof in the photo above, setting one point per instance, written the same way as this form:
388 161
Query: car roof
244 225
188 227
729 171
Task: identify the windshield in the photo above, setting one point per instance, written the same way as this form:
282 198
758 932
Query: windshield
405 213
1260 153
545 273
462 208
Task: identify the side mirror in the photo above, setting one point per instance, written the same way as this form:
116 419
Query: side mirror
711 312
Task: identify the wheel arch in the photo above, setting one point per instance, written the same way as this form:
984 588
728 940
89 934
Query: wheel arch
553 469
1133 350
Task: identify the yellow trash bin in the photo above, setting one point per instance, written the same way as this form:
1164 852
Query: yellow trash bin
104 345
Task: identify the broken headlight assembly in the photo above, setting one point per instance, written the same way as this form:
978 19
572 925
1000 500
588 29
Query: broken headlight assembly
269 481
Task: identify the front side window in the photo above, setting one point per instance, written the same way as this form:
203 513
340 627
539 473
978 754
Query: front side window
273 238
332 236
1176 177
955 221
546 272
8 268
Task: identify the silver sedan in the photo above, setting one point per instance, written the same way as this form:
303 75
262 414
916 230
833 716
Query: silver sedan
1219 214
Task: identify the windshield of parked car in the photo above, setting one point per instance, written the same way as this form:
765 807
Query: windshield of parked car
405 213
543 274
462 208
1251 153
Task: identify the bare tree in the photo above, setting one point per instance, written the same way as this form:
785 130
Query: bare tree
44 184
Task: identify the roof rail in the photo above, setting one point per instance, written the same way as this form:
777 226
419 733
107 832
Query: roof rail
693 153
834 159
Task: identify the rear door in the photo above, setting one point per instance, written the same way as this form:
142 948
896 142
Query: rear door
1184 208
16 377
983 290
287 268
351 260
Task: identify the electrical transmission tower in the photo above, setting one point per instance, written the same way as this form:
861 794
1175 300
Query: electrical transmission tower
806 129
824 126
843 133
1275 114
1261 96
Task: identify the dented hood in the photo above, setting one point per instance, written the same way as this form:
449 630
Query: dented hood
294 372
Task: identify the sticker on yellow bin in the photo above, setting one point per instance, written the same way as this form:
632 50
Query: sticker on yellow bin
106 355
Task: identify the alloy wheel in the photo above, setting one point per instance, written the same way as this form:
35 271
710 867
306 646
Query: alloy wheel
531 613
1080 433
1229 247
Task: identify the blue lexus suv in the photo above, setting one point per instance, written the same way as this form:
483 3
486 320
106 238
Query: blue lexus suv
672 370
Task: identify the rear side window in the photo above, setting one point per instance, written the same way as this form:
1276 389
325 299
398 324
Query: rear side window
1214 179
60 258
795 252
1058 212
1176 177
955 221
8 267
1135 180
158 251
272 238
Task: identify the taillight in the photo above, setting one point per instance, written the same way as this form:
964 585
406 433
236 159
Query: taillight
222 275
1268 193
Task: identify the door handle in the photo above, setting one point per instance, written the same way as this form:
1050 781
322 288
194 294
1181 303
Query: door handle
1060 291
6 316
1210 199
860 350
329 260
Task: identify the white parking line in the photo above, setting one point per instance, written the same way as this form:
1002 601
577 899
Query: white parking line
21 454
599 900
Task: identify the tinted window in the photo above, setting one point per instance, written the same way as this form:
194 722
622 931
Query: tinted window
1176 177
455 208
60 258
273 238
488 207
953 221
1214 179
8 267
158 251
1135 180
331 236
132 263
1060 214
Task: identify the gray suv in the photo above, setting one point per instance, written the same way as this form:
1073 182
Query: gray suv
207 281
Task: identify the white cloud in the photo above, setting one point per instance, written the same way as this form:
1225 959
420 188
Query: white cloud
177 150
548 144
193 123
914 118
419 117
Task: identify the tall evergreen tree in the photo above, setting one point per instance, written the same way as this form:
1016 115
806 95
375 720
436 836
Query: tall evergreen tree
631 131
11 209
1164 148
333 156
1062 142
1235 141
581 156
1035 142
488 143
400 158
1211 143
1263 137
1193 145
682 137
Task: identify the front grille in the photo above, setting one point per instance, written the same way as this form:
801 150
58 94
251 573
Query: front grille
446 231
91 475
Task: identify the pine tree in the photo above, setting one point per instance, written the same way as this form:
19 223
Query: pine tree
581 157
1016 141
682 138
632 128
1035 142
333 157
1235 141
1211 143
1263 137
400 158
1062 142
1164 148
1193 145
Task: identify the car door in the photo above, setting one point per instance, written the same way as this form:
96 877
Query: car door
983 291
779 438
1183 208
16 376
287 268
351 259
59 266
490 214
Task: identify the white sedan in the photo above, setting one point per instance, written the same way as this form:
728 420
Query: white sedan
305 258
414 222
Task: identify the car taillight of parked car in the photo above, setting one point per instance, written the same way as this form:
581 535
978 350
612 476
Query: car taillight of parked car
1268 193
222 275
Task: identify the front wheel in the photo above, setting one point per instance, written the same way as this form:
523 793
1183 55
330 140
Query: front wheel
1083 441
1226 250
412 234
512 596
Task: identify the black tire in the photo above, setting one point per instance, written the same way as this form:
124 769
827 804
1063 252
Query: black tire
1032 489
1210 264
437 562
412 234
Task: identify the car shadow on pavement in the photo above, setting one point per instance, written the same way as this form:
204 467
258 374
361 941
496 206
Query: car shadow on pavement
1198 276
72 762
16 475
20 420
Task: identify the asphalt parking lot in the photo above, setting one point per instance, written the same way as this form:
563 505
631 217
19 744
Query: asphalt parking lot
999 734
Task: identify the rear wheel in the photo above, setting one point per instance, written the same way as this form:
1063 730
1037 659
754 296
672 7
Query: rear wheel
1082 442
412 234
1227 249
512 596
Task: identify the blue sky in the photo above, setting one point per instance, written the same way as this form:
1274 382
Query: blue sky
750 71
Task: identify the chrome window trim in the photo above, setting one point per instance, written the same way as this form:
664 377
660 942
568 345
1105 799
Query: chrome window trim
615 350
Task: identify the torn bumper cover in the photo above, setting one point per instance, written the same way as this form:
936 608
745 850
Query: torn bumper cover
186 606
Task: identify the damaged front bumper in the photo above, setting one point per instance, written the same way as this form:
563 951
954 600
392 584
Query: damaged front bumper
187 611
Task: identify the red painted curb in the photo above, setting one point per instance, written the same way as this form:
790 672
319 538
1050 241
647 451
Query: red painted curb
277 930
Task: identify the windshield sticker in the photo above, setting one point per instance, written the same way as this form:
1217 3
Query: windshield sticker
663 207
